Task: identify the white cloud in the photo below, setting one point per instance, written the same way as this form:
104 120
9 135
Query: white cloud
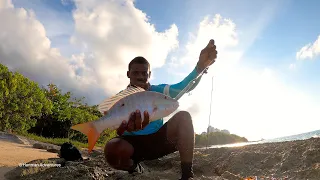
110 33
114 33
26 48
309 51
220 29
292 66
5 4
254 103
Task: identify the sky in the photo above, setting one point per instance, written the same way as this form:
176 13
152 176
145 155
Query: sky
264 78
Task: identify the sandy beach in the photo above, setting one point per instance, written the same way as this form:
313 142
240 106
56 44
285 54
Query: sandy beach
12 154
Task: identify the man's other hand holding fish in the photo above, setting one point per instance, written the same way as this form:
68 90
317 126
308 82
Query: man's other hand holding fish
139 139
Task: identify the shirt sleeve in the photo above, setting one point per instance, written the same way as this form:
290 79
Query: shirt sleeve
173 90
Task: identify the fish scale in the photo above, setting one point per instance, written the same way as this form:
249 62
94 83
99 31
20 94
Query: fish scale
119 108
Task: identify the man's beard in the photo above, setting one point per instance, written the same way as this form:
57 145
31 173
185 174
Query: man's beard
144 85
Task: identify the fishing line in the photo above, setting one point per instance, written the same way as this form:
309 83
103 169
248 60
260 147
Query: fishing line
209 114
188 87
190 84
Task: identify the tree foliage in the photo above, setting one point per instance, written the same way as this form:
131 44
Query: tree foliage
21 101
44 111
66 111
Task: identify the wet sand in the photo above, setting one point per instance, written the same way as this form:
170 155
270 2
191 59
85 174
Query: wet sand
13 153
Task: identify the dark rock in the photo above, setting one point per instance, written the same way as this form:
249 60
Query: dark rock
53 150
10 137
40 146
228 175
69 152
45 146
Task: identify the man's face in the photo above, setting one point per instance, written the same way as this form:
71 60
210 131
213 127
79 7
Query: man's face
139 75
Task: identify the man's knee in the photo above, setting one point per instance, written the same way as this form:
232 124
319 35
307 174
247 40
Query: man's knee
180 121
180 126
183 117
117 149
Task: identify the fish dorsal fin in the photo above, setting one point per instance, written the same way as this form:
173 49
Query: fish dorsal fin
109 102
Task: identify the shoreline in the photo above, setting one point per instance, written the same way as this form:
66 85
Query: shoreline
264 141
297 159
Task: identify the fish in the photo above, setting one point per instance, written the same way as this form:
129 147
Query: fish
119 108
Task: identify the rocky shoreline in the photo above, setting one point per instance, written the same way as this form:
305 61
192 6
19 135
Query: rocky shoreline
296 160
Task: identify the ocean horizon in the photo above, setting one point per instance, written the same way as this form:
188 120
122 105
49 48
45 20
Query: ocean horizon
302 136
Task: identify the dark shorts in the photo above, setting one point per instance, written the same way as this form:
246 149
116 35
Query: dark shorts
152 146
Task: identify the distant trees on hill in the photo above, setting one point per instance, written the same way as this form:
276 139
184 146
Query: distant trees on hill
212 129
217 138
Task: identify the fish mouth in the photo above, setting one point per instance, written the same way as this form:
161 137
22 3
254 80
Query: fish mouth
176 105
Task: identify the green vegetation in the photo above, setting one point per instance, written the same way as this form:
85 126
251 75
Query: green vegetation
46 114
43 113
56 141
217 138
60 141
21 101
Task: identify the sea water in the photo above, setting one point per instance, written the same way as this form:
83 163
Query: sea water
308 135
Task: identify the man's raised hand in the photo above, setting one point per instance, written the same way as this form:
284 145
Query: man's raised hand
207 56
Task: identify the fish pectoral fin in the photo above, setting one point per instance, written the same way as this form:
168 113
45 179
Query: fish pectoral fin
154 109
90 131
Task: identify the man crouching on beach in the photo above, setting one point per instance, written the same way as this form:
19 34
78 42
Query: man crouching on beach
140 140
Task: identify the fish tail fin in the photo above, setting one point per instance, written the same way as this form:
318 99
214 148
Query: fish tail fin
90 131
